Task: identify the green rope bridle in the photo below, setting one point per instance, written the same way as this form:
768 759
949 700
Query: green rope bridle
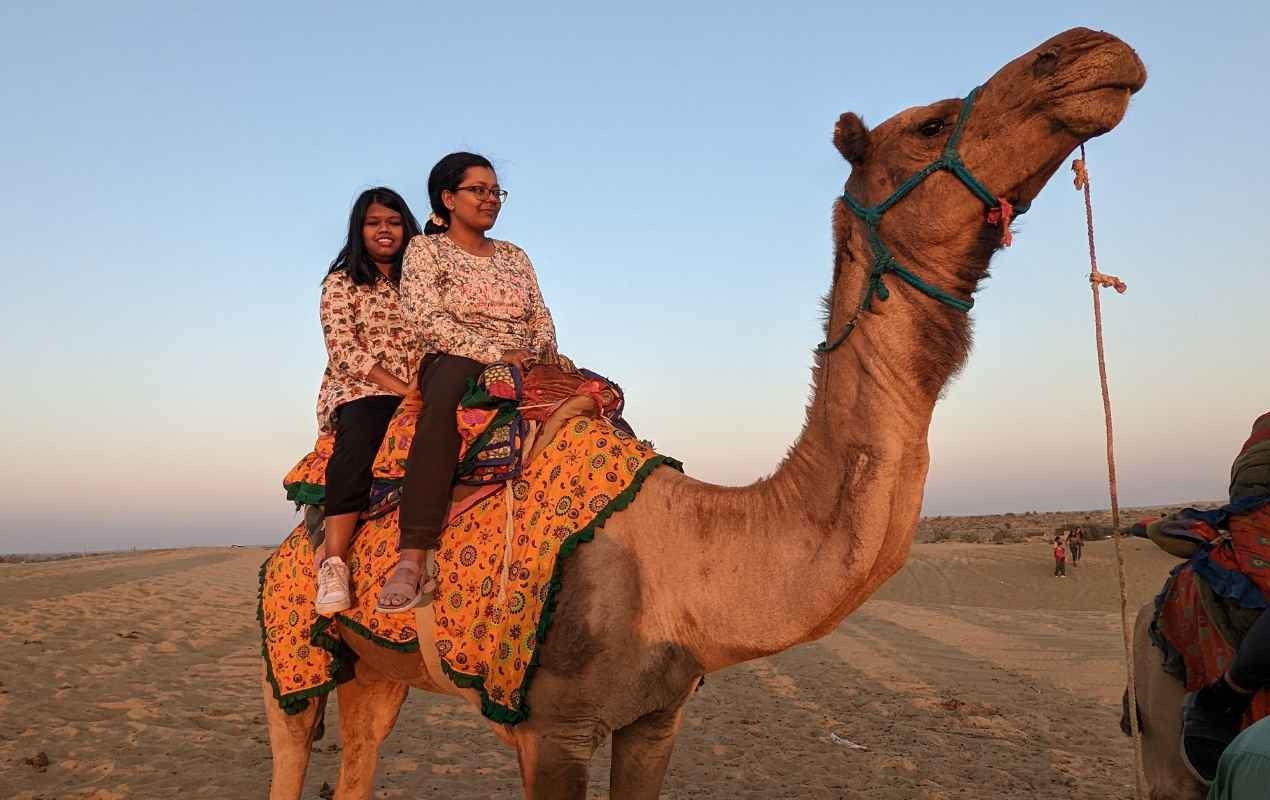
999 210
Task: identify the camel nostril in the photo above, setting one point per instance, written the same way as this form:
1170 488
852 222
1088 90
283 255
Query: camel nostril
1045 64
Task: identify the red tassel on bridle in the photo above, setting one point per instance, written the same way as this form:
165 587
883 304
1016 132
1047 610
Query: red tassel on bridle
1001 215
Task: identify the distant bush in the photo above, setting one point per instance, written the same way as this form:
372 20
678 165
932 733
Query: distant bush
1094 533
1007 536
971 537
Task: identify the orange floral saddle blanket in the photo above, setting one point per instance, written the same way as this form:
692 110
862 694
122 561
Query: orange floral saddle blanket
498 575
1198 630
498 420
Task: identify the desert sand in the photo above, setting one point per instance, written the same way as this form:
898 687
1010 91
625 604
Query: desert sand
974 673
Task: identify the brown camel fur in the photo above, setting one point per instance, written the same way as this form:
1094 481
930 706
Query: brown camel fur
694 578
1160 719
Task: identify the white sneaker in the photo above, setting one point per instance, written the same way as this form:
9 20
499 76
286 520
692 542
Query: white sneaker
333 594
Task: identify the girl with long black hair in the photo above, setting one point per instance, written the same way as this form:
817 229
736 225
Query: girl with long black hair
373 356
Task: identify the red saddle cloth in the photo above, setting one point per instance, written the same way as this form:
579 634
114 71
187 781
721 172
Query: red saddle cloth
502 410
1198 633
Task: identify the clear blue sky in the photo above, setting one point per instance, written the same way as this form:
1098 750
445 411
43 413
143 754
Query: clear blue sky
174 182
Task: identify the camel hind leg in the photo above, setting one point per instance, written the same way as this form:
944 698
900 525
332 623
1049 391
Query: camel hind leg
641 754
291 740
369 704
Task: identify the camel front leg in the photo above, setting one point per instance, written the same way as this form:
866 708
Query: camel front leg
555 758
641 754
291 740
369 705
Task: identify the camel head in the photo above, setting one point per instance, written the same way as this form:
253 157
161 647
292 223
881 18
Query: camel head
1024 123
1010 135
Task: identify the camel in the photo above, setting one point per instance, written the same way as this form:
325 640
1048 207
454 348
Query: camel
1159 719
693 578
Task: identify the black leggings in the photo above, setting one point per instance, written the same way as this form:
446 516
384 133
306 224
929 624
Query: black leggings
359 430
434 452
1250 667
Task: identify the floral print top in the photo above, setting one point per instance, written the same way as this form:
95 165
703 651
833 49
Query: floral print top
363 326
478 307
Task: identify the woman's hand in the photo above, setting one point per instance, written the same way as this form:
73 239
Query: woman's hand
520 359
413 398
554 358
390 383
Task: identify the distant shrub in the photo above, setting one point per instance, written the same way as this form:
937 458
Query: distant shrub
1094 533
971 537
1007 536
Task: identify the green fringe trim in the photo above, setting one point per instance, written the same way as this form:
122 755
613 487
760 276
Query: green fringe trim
309 494
510 716
367 633
294 702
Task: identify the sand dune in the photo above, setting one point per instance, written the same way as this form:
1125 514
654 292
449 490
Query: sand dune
973 673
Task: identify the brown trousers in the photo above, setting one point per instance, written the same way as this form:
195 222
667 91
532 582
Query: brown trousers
434 452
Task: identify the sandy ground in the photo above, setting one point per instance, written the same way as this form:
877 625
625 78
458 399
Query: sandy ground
973 674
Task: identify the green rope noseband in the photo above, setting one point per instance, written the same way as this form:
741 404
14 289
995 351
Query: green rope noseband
884 262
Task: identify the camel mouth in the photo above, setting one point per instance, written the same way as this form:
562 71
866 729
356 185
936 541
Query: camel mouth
1126 86
1097 107
1027 189
1095 110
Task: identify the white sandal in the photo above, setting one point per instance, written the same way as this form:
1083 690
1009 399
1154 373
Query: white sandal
400 585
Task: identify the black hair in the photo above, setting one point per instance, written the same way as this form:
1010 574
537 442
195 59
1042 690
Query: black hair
446 176
353 258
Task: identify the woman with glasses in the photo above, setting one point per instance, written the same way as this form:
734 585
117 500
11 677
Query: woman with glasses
473 301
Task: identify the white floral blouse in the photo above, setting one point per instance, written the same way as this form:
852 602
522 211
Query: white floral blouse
363 326
478 307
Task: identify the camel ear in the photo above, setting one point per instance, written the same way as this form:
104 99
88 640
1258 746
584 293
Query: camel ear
851 138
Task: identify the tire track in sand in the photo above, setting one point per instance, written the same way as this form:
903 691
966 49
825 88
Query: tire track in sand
21 583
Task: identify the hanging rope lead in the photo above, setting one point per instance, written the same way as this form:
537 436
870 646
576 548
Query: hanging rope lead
1098 280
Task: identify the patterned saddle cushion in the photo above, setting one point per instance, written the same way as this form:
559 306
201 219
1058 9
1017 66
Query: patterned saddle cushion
494 420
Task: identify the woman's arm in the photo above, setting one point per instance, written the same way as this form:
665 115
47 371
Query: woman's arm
542 330
339 325
347 355
386 380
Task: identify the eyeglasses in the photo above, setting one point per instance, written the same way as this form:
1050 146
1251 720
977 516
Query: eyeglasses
483 193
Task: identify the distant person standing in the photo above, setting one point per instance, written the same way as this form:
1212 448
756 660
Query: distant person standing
1076 542
1060 558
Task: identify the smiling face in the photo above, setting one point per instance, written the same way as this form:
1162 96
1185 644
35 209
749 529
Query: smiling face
383 233
1025 122
475 203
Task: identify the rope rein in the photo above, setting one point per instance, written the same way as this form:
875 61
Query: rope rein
1097 281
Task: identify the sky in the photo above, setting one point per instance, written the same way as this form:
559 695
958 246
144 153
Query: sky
176 178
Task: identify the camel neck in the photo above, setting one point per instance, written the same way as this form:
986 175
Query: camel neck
805 547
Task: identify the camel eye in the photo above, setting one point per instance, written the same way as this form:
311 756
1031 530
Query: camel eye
931 127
